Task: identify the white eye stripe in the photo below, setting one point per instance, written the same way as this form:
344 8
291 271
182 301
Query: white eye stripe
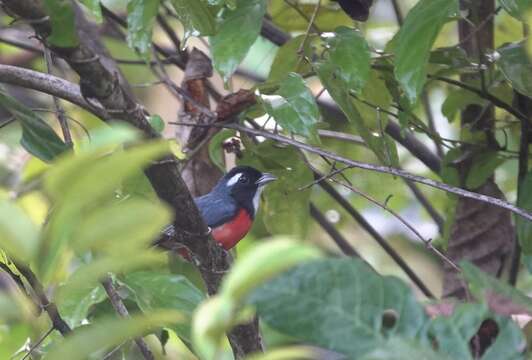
234 179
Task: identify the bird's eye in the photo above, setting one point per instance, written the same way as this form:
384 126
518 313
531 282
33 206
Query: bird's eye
243 179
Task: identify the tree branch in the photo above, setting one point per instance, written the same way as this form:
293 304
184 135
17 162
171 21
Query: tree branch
121 310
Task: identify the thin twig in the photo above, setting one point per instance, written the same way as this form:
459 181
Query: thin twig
376 236
51 309
121 310
371 167
38 343
60 112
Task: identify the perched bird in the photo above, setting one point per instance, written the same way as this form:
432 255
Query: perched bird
231 206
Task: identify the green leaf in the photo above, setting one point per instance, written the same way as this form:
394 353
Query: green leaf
216 151
288 59
19 237
282 196
349 53
524 227
454 333
413 42
516 67
458 100
94 7
121 227
154 290
64 33
38 138
157 123
108 333
404 349
517 8
487 288
140 19
196 16
238 31
337 89
263 263
75 307
336 301
294 107
484 165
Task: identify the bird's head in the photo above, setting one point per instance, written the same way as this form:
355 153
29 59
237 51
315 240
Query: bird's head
245 184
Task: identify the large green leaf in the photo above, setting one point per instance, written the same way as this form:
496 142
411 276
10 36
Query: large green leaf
524 227
140 19
404 349
75 307
484 165
413 42
339 304
38 138
516 67
517 8
349 53
18 234
238 31
294 107
155 290
458 100
196 16
454 333
338 90
64 33
491 290
288 59
122 226
108 333
282 196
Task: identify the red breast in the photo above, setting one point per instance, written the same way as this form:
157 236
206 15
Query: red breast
230 233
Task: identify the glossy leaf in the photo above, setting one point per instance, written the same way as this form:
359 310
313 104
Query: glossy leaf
349 53
516 67
157 123
216 151
75 307
524 227
336 301
413 42
238 31
155 290
289 60
140 19
294 107
282 196
516 8
196 16
484 165
38 138
108 333
19 237
64 33
337 89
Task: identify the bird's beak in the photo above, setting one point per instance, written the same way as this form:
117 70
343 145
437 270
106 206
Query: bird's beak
265 178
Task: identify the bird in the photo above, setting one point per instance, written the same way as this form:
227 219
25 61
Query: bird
231 206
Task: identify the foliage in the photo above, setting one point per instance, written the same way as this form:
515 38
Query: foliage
74 216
